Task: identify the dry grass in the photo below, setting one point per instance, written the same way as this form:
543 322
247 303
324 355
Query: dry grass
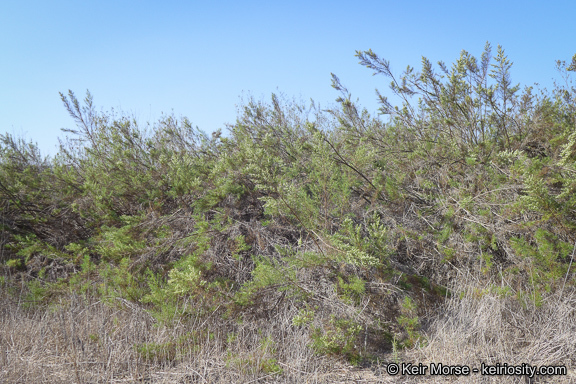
78 341
479 325
82 341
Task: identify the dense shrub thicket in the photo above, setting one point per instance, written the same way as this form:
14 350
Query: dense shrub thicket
334 226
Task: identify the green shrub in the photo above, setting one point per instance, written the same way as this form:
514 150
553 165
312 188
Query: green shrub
338 338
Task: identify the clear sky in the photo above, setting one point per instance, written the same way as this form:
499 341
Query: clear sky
196 58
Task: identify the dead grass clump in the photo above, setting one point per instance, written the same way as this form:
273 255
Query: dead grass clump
481 324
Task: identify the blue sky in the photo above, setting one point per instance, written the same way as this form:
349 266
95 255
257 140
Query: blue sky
196 58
